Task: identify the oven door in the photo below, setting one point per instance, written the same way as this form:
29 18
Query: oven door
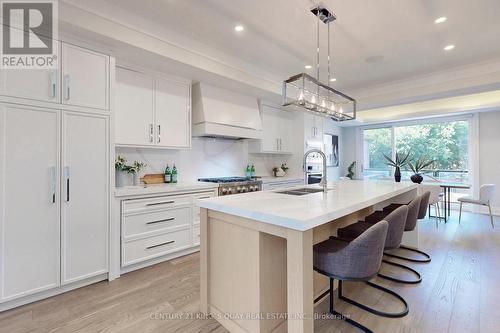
314 178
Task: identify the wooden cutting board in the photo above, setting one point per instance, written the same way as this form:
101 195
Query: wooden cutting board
153 178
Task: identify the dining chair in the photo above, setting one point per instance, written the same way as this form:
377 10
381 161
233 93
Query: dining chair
486 193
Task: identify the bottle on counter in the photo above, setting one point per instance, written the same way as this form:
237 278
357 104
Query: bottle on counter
168 175
252 171
174 174
248 172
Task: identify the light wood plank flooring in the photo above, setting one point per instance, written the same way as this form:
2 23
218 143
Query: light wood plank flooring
459 293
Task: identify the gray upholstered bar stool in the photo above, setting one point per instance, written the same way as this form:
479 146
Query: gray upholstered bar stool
358 260
410 226
396 223
408 223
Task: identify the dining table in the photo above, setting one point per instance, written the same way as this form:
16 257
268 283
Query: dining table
447 186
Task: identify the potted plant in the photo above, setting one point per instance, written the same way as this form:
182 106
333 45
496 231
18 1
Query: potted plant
350 170
399 162
420 164
135 169
122 176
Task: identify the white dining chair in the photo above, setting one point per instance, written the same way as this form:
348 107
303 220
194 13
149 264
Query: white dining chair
435 198
486 193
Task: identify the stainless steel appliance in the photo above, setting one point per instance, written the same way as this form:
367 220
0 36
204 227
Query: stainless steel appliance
235 185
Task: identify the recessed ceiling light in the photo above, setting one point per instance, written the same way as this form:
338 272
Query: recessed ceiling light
333 79
308 66
239 28
440 19
449 47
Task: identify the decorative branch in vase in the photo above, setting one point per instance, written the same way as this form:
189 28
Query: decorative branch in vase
417 167
398 163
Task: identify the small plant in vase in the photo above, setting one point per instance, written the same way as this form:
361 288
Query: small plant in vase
420 164
135 169
350 170
398 163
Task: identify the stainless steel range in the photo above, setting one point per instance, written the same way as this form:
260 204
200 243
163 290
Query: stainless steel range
235 185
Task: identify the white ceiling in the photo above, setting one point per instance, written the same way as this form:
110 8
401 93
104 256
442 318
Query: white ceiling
280 35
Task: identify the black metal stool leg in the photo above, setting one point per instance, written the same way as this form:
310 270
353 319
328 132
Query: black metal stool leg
427 257
391 278
374 311
339 315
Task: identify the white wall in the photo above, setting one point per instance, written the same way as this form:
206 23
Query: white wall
489 152
211 157
208 158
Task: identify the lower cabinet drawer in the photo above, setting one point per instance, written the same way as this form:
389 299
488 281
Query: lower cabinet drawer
150 222
151 247
196 235
196 209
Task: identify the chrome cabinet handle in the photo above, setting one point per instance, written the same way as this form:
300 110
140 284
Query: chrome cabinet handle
204 198
158 245
160 221
277 144
53 84
159 133
67 88
280 144
160 203
66 177
151 134
53 184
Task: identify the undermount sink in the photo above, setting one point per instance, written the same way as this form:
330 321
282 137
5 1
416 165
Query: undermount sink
301 191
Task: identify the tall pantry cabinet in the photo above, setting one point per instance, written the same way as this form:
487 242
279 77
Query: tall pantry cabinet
54 176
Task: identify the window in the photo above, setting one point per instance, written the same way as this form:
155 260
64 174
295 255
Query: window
446 142
377 142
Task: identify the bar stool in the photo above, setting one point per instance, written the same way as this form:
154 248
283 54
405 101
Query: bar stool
358 260
408 224
396 224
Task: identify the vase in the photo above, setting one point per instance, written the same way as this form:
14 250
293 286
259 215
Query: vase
417 178
397 175
136 179
123 179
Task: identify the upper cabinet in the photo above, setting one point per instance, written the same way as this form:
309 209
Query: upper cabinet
173 113
277 127
85 78
134 105
81 79
34 84
152 112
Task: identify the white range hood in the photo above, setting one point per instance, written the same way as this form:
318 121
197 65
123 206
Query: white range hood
219 112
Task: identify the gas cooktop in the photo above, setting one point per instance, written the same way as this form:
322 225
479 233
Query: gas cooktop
227 180
235 185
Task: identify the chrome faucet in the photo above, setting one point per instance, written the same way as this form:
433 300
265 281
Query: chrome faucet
323 182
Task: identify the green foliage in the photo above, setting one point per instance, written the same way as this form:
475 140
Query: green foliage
120 165
400 160
350 170
420 164
445 143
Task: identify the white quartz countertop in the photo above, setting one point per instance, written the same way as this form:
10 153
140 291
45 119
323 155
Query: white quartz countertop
163 188
311 210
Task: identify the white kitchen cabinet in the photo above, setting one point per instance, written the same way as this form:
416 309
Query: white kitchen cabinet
85 78
29 200
34 84
277 126
134 104
313 128
152 112
173 114
85 212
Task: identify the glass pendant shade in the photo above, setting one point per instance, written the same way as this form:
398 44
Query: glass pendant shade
304 91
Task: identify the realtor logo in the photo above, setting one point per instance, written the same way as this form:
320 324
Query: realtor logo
28 34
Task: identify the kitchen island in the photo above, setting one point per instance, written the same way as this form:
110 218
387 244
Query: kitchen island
257 250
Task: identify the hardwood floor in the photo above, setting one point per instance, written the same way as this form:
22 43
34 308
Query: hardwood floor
459 293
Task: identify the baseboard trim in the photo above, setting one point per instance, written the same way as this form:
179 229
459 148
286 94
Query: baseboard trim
51 292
